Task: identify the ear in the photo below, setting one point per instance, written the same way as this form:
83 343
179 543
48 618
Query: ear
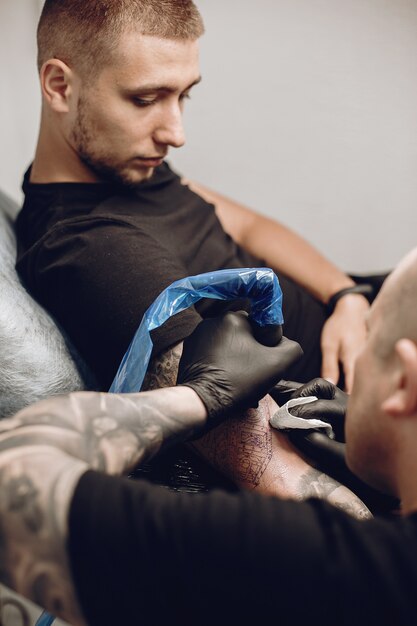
402 402
57 83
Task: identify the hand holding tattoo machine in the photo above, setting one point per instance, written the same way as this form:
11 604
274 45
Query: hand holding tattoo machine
259 285
228 368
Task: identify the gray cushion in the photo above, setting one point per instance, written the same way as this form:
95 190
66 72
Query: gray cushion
35 358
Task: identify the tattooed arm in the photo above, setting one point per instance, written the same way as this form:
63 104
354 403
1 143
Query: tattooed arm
253 455
111 432
38 475
258 457
37 485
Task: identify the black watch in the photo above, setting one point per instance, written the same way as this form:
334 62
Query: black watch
364 289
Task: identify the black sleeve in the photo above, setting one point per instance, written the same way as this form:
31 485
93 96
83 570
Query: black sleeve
143 555
91 275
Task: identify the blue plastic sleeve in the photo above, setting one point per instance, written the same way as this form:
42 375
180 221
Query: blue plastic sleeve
259 285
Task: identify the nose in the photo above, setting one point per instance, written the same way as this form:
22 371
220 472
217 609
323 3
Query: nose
170 130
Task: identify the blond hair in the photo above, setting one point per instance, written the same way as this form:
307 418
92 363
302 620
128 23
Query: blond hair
84 33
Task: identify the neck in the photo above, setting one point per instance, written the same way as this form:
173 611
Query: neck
56 161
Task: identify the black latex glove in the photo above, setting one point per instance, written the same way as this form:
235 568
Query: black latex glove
330 406
328 455
228 368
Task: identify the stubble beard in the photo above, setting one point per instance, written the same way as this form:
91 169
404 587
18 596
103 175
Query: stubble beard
104 167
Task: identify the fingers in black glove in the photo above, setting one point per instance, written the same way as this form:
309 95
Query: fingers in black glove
327 454
283 391
228 368
269 335
330 406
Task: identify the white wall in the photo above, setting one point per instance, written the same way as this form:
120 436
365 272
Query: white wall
306 112
19 93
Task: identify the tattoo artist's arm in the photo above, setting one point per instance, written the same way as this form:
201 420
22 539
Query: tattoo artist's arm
39 474
110 432
37 485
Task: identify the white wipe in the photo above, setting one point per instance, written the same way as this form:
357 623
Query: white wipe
283 420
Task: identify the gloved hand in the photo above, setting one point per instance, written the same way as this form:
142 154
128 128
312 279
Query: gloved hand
228 368
330 406
328 455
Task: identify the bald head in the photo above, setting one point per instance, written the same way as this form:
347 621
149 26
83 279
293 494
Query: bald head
381 420
397 303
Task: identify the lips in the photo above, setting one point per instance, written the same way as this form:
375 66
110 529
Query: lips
151 161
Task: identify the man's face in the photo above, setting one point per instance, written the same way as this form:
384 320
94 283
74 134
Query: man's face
370 437
126 121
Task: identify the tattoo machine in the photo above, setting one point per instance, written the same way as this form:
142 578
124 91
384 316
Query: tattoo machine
259 285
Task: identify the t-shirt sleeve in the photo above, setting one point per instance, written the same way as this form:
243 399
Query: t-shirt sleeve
142 554
98 277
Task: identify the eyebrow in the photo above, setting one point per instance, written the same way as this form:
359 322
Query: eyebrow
155 87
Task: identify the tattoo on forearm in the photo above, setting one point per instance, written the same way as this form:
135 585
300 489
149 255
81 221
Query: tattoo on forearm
241 448
315 484
162 371
111 432
37 483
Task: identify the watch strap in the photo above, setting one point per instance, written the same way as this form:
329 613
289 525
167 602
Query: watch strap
364 289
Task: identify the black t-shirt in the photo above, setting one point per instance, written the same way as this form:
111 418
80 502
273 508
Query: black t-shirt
143 555
97 255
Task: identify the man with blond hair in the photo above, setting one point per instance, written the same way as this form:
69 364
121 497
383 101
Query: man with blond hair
107 225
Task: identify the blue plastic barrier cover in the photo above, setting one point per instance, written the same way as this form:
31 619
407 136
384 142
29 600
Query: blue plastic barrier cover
260 285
